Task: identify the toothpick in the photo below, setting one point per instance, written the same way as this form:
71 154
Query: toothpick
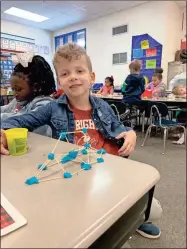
51 173
56 144
93 162
41 168
51 179
88 157
70 132
76 173
67 139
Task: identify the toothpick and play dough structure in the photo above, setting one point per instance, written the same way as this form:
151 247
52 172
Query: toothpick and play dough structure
85 155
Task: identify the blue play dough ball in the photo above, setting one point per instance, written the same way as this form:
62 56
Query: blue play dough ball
63 135
66 159
51 156
84 130
84 152
86 145
67 175
40 165
100 160
32 180
101 151
86 166
73 154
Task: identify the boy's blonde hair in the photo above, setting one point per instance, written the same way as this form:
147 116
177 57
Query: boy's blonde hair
135 65
70 52
176 90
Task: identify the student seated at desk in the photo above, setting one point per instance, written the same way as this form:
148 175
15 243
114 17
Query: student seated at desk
77 109
108 88
32 83
157 87
179 91
134 85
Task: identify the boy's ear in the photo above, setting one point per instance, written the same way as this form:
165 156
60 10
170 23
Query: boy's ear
58 82
92 78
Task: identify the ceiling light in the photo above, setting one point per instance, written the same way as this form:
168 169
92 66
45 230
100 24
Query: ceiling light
25 14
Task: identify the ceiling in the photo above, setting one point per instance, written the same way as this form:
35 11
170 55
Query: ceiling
65 13
62 14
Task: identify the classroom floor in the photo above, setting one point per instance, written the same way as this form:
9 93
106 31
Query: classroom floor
170 191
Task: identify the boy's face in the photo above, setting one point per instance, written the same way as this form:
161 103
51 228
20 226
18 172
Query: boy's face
74 77
182 90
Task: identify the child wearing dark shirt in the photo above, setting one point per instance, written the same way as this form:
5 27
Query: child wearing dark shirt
134 85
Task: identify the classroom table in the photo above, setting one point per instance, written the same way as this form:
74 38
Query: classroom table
86 211
177 102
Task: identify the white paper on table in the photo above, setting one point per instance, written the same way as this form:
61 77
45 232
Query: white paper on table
18 219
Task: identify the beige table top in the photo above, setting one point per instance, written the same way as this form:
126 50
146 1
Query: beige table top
114 96
166 99
70 213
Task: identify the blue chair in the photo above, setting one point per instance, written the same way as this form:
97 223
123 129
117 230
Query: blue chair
96 87
159 117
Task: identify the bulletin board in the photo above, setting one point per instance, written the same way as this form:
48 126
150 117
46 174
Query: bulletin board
78 37
149 52
14 43
7 66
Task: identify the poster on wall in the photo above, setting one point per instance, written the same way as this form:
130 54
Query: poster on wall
78 36
70 38
5 43
149 52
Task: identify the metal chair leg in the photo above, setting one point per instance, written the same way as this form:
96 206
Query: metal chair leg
143 123
146 135
184 135
165 135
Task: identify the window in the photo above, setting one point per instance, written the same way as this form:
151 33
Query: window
78 37
120 58
119 30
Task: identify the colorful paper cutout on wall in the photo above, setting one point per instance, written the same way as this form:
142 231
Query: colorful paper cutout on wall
151 52
144 44
150 64
137 53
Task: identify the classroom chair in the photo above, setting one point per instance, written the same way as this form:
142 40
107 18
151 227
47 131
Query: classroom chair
159 118
96 87
122 112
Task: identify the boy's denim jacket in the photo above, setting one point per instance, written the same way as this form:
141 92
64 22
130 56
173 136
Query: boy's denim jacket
58 115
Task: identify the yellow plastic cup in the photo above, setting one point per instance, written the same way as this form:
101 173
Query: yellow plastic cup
17 141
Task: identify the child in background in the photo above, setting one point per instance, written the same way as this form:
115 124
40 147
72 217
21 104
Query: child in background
134 85
77 109
32 83
108 88
157 87
179 91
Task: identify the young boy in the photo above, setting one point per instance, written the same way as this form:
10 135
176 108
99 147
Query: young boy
134 85
77 108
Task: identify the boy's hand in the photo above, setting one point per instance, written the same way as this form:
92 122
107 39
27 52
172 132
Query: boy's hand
4 146
129 143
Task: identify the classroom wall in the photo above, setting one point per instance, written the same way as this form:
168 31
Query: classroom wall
161 20
42 37
173 27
